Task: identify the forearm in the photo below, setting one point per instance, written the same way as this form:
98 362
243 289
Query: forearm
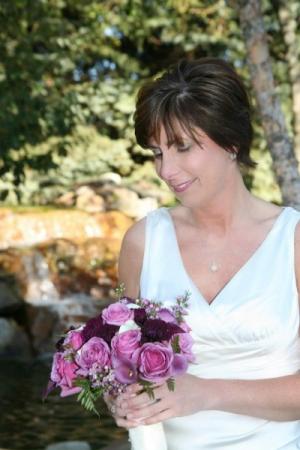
272 399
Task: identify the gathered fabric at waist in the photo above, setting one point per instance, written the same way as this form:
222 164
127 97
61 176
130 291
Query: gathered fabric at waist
245 360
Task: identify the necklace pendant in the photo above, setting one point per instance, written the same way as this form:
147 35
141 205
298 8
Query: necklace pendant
214 267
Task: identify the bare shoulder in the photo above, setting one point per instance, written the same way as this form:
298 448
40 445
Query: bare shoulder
131 258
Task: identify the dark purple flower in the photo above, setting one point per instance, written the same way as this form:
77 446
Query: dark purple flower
140 316
59 344
154 330
92 328
96 327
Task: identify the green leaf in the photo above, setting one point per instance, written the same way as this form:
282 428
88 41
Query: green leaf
171 384
88 395
175 344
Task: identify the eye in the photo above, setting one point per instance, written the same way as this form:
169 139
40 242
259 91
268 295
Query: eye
184 148
156 152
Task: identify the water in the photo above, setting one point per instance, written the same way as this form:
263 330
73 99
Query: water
27 423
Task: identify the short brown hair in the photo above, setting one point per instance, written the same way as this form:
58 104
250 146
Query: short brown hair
205 93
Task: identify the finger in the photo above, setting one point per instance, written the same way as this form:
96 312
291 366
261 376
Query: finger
133 389
136 401
147 411
163 415
125 423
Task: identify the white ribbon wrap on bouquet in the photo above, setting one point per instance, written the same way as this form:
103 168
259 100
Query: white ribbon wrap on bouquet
148 437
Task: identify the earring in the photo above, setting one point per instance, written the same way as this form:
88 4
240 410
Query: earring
232 156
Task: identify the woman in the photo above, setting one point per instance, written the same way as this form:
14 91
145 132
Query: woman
238 255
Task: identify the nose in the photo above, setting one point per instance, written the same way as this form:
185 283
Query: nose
167 168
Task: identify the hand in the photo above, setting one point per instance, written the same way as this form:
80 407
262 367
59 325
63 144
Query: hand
118 413
191 395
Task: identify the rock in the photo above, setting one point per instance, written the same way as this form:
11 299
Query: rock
13 340
42 322
113 224
9 299
145 188
67 199
129 203
88 201
69 445
32 228
111 177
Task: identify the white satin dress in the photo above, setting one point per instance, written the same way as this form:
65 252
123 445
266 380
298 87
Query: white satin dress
249 331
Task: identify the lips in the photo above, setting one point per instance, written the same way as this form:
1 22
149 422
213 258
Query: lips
181 187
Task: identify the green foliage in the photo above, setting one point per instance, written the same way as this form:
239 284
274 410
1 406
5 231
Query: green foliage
88 395
69 73
148 387
171 384
175 344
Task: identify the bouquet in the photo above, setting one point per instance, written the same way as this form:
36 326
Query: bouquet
131 341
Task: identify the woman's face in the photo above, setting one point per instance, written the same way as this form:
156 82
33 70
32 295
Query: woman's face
197 172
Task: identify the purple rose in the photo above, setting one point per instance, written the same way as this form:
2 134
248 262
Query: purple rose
73 340
154 330
166 315
63 373
124 344
154 361
117 314
185 342
94 352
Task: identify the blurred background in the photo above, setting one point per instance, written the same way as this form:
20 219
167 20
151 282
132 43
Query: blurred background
72 178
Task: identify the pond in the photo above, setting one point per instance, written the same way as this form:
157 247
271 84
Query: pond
28 423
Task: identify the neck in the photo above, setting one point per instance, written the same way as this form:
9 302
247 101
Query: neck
230 208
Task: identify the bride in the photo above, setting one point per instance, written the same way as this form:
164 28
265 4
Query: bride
238 255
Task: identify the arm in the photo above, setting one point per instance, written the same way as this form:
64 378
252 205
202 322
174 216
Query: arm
131 258
275 399
129 269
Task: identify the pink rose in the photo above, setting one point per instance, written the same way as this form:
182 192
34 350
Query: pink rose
94 352
166 315
73 340
185 342
63 373
154 361
124 344
117 314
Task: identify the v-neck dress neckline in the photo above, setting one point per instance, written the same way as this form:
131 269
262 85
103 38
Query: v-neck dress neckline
237 274
249 332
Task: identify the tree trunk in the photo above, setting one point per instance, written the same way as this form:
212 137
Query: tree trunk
285 164
289 15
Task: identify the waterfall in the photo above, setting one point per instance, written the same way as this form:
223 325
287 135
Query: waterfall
40 288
